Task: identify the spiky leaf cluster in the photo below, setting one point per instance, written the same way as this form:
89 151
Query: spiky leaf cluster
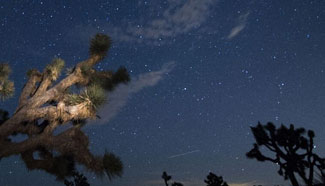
78 180
121 76
284 137
99 45
31 72
54 69
4 71
109 80
113 165
99 82
94 95
102 78
214 180
86 70
7 89
73 99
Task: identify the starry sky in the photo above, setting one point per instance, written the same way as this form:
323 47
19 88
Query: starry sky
203 72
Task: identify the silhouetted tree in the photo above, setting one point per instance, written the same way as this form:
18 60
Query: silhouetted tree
177 184
167 177
214 180
78 180
46 103
292 151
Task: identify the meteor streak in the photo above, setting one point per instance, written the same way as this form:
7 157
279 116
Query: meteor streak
183 154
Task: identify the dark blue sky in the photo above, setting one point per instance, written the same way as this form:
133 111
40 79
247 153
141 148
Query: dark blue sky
202 71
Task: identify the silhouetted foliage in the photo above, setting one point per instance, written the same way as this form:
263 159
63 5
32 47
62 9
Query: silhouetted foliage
293 152
211 180
78 180
61 166
177 184
167 177
99 45
46 104
214 180
109 80
113 165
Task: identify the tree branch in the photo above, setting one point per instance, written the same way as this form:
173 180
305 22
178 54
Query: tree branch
75 142
45 83
75 77
29 87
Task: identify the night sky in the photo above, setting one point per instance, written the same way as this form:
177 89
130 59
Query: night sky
203 72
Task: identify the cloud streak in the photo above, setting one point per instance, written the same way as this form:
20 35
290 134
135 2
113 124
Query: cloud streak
241 24
118 99
177 19
183 154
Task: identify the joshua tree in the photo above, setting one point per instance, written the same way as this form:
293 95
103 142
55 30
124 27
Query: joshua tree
214 180
78 180
167 177
47 102
177 184
293 152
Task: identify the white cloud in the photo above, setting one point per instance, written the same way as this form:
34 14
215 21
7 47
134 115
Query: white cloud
178 18
118 98
235 31
241 24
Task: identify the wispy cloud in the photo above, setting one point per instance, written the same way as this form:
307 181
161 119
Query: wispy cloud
118 99
178 18
241 24
183 154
